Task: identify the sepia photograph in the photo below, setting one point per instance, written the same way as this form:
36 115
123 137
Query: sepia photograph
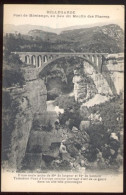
62 98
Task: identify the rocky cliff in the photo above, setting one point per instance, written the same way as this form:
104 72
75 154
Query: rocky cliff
18 117
84 87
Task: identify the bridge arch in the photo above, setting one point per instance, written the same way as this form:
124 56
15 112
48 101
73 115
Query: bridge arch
27 59
39 61
93 58
93 64
96 60
45 59
60 57
33 60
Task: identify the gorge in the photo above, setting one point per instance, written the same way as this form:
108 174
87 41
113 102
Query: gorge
66 115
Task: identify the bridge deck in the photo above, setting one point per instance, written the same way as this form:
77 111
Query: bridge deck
61 53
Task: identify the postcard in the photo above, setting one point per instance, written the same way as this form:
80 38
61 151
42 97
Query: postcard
62 98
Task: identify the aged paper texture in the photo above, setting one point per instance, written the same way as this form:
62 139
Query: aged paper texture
63 98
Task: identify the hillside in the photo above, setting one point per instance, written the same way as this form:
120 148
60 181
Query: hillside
25 28
108 39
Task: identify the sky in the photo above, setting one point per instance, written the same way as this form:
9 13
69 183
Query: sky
18 14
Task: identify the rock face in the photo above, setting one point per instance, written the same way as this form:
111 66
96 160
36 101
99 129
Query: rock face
88 82
45 144
109 80
84 87
100 82
25 102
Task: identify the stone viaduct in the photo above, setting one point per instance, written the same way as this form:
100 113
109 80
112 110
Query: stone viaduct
42 59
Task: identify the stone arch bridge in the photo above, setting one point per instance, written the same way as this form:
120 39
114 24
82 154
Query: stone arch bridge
41 59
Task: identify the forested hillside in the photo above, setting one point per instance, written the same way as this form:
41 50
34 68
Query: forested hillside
108 39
